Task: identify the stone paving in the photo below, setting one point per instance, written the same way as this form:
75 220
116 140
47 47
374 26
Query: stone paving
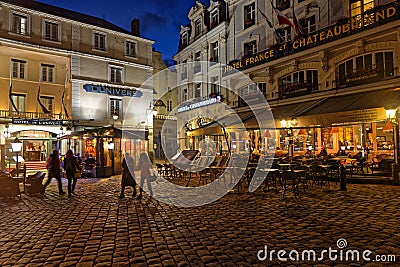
95 228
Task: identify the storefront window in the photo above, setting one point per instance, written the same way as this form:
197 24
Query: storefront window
384 136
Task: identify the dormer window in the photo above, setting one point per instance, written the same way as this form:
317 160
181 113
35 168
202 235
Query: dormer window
214 18
197 29
19 23
185 38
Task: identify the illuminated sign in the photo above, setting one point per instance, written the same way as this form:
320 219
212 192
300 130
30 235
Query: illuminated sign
203 103
345 27
37 122
108 90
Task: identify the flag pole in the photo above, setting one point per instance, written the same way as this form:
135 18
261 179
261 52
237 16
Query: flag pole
37 103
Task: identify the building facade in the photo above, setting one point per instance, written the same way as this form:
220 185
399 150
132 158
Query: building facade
329 70
70 73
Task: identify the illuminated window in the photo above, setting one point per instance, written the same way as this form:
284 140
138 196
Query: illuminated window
357 7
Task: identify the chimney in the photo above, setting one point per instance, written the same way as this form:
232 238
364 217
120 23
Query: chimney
135 27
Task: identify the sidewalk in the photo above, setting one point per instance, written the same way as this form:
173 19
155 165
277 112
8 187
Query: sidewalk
95 228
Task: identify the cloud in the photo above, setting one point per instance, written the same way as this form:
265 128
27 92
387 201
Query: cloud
153 22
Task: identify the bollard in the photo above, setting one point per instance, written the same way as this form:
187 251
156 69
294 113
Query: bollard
342 172
395 173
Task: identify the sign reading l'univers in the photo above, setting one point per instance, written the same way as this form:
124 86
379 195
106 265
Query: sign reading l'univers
108 90
345 27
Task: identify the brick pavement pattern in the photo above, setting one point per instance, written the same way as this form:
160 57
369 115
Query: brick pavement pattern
95 228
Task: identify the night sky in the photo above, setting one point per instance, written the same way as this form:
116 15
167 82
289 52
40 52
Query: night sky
160 19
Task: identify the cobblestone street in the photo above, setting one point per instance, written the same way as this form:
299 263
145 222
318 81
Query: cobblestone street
95 228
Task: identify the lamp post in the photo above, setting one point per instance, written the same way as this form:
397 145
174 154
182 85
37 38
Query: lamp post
16 147
111 144
391 115
68 132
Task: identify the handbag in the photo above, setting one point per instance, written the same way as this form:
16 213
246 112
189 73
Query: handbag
78 174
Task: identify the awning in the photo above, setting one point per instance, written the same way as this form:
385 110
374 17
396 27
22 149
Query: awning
352 108
360 101
141 134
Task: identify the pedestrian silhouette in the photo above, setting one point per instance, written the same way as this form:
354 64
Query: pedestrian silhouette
71 166
144 167
53 164
128 175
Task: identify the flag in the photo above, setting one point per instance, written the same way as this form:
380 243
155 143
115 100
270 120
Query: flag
11 99
282 19
276 34
44 109
296 25
63 95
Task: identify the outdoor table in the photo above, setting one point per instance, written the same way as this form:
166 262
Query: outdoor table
286 166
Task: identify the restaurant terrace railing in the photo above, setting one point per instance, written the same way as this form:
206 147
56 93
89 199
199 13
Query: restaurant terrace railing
297 88
31 115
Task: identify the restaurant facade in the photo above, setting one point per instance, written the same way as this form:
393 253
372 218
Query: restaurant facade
72 81
329 81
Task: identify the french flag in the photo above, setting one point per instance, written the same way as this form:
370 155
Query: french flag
297 27
282 19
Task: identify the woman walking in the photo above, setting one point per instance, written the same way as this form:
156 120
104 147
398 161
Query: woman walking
71 166
128 176
144 167
53 164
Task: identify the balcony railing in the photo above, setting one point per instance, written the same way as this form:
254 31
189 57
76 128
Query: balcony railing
297 89
360 76
31 115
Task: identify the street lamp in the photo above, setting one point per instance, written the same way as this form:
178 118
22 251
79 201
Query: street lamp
68 132
391 115
110 145
16 147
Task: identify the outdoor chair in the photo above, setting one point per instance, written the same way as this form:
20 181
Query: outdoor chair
34 183
9 187
290 181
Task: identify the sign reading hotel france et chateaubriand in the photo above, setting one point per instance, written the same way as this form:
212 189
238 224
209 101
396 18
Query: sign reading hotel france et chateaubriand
345 27
108 90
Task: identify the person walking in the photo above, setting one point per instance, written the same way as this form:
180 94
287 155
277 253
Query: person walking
53 165
144 167
71 166
128 176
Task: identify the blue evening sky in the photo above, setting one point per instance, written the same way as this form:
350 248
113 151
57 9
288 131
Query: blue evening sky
160 19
